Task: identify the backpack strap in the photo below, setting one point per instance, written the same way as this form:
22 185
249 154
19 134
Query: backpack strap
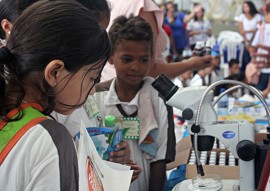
11 132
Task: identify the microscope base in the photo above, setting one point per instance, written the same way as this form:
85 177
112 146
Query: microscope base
227 185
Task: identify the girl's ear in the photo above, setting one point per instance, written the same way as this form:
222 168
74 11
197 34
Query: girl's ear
54 72
6 26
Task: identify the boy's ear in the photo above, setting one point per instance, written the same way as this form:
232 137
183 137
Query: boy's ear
54 72
110 60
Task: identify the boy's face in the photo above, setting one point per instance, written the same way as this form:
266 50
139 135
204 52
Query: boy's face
215 62
132 61
235 69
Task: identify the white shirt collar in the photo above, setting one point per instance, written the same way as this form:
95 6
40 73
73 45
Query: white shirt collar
112 98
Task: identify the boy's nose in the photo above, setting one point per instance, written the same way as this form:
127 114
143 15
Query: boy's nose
135 65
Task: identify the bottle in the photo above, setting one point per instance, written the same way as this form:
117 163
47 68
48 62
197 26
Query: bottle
223 104
199 48
109 121
208 48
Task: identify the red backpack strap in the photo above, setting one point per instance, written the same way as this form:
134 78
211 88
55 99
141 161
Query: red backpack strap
13 131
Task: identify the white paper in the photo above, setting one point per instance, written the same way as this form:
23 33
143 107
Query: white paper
97 174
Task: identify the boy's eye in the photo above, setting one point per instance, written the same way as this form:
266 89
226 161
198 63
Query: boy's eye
126 59
145 60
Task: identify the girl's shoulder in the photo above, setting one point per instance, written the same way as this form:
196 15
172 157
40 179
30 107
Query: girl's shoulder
242 17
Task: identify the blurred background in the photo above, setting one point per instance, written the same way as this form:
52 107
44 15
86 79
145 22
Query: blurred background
223 14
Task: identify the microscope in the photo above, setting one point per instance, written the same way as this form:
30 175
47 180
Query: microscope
203 125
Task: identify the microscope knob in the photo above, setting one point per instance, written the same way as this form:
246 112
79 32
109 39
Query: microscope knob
246 150
187 114
195 128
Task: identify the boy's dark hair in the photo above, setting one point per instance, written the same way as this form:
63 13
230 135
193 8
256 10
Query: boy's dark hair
46 31
132 28
252 9
99 8
232 62
8 10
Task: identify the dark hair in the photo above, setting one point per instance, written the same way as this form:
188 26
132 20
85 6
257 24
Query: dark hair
195 16
99 8
132 28
252 9
238 77
46 31
8 10
232 62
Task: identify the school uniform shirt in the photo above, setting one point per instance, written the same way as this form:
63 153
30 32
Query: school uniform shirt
262 36
107 99
44 159
197 80
72 122
214 76
202 26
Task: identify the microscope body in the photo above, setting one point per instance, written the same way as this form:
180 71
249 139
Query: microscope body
237 136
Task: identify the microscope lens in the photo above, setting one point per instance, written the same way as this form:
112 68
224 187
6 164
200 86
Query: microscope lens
165 86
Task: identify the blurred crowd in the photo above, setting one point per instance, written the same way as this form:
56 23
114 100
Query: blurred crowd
250 62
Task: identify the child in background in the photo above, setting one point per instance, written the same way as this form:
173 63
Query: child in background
234 67
45 68
131 95
262 37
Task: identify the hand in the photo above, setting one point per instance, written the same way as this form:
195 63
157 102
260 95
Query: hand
136 170
122 155
264 61
200 62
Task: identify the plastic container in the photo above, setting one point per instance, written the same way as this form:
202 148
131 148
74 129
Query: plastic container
208 182
109 121
207 48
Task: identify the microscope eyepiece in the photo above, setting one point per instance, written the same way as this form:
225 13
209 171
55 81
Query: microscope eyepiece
165 86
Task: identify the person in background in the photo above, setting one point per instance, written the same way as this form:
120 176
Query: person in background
170 54
154 16
173 55
36 78
176 22
247 24
215 72
234 67
236 93
131 95
262 37
183 80
264 61
266 91
199 29
199 78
